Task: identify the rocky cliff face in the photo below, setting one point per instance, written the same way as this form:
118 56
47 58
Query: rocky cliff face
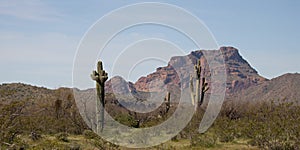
118 85
240 75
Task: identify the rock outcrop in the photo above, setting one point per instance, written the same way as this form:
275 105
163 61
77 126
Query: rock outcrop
240 75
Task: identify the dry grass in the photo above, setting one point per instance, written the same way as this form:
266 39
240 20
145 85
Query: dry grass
81 142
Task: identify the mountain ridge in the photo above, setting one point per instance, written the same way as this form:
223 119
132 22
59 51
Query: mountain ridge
240 74
283 87
242 79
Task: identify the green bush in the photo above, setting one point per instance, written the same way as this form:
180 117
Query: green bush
127 119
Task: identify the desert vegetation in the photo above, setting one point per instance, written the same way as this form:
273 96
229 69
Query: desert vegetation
39 118
262 125
265 125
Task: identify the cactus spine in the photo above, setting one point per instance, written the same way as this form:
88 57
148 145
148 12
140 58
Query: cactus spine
168 101
197 97
100 76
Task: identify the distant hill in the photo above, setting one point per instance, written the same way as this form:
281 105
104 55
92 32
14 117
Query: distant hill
19 91
284 87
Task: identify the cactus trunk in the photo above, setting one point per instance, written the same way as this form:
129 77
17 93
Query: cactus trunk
100 76
197 97
168 101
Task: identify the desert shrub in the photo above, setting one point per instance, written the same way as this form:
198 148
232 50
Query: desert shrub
89 134
268 125
274 125
10 121
74 146
226 129
18 143
50 144
127 119
204 140
164 147
101 144
98 141
35 136
62 137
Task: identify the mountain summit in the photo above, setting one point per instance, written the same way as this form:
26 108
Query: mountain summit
240 75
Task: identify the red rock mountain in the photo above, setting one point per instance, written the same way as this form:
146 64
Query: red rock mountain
240 75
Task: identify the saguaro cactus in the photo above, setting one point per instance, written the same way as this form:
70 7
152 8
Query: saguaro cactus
168 101
58 107
100 76
197 97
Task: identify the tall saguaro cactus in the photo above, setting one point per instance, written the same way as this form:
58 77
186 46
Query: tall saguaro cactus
197 97
100 76
168 101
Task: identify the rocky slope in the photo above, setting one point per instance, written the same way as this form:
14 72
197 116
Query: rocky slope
19 91
284 87
240 75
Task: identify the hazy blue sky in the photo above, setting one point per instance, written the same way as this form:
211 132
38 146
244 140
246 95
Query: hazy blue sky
38 38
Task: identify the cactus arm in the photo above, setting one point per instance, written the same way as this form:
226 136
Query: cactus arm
203 90
94 76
